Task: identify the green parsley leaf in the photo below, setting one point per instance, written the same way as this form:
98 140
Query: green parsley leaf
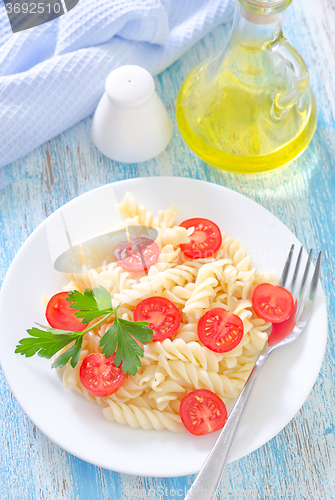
70 354
138 329
103 298
119 338
91 304
45 344
56 331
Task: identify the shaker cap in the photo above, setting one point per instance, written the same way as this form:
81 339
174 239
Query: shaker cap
129 85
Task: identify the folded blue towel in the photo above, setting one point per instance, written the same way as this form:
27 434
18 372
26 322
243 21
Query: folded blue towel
53 76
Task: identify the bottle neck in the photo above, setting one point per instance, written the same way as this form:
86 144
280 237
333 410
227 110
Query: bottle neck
255 28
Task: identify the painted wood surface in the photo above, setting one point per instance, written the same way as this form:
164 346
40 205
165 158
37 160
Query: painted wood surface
299 463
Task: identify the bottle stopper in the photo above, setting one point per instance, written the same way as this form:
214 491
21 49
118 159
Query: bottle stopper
261 17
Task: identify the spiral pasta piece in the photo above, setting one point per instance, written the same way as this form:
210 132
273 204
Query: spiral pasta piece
146 287
168 258
181 274
198 377
130 209
146 418
191 352
206 281
169 390
187 332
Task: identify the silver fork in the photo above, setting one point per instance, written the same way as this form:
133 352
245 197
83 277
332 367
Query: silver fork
207 481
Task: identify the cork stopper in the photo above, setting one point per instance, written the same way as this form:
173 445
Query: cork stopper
267 14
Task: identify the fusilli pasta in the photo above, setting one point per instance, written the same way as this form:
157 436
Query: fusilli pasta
175 366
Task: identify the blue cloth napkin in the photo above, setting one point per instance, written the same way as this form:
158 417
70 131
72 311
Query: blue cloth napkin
53 76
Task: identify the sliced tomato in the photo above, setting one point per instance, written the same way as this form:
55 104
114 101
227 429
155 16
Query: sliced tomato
272 303
100 376
202 412
281 330
138 255
163 316
220 330
205 240
59 314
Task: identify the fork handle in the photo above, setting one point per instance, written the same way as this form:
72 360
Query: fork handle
207 481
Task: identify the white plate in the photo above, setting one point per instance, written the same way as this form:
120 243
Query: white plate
79 426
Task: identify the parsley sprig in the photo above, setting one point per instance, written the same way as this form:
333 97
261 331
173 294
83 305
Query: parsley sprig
119 339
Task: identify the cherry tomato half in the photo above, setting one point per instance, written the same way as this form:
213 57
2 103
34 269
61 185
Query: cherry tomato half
281 330
100 376
59 314
272 303
220 330
163 316
202 412
138 255
205 240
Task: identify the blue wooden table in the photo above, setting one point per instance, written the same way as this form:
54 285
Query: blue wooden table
299 463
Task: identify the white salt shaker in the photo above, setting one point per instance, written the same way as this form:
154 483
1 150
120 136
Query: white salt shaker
131 123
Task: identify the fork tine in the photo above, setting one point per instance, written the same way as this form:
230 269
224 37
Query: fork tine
303 286
295 274
312 291
284 276
315 278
